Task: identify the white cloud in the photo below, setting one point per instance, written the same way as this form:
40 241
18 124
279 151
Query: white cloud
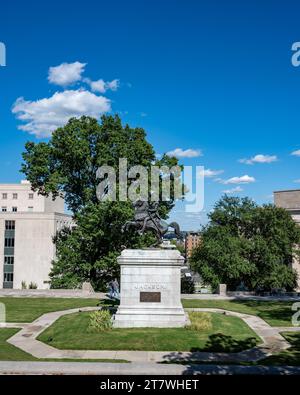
43 116
66 73
188 153
237 180
113 85
296 153
233 190
297 181
102 86
96 86
212 173
260 158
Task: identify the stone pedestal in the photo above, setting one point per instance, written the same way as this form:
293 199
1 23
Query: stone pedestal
150 289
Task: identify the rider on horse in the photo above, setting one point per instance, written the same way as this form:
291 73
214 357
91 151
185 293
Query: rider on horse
145 212
146 218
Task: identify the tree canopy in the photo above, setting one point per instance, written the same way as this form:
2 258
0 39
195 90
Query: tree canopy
68 162
249 244
66 165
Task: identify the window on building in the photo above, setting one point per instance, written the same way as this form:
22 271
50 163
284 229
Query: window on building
9 260
3 209
30 208
30 196
15 196
9 225
4 195
8 277
9 242
15 209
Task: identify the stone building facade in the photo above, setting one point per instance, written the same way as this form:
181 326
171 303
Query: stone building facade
28 222
290 200
192 240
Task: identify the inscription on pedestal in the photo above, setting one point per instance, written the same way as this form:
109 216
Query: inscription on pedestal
150 297
150 287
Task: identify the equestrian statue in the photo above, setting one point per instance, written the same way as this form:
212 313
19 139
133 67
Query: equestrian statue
146 218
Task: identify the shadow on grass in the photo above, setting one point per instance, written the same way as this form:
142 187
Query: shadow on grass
217 343
223 343
109 302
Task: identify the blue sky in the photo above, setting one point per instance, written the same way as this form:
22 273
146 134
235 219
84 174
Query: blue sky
212 77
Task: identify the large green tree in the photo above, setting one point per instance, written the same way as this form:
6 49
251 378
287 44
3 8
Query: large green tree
66 165
244 242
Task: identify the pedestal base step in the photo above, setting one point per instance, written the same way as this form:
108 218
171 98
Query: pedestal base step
150 320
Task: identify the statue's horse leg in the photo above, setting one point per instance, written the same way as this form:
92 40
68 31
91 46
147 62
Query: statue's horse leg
156 230
144 226
127 225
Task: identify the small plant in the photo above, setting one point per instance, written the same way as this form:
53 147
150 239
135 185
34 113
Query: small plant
100 321
200 321
23 285
32 285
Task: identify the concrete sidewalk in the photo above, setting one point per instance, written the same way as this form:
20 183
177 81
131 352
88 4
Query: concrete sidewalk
134 369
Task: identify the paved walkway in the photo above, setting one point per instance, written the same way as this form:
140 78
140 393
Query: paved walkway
77 293
25 339
132 369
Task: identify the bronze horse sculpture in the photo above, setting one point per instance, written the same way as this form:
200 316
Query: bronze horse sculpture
146 218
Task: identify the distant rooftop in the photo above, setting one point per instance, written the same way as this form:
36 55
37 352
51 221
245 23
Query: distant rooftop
13 184
288 190
289 199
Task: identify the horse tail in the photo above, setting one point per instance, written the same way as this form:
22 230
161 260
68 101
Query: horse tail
176 229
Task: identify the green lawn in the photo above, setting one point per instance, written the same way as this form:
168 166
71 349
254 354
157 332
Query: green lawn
28 309
274 312
228 334
9 352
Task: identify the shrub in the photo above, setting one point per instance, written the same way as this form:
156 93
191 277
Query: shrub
23 285
187 285
200 321
32 285
100 321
